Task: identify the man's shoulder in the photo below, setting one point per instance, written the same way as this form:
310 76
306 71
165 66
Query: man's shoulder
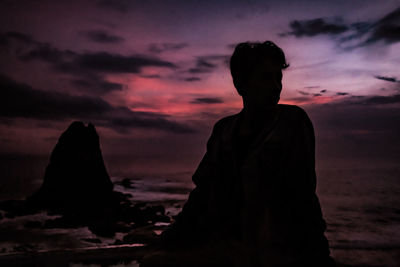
297 117
291 108
221 123
294 111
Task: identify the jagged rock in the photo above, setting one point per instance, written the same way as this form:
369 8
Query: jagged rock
117 242
14 208
103 228
76 186
127 183
63 222
92 240
33 224
142 236
76 177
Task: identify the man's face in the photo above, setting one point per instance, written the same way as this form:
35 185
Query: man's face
264 85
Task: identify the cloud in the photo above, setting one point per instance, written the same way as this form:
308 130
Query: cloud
104 62
207 100
207 64
163 47
114 63
313 27
388 79
22 101
203 66
117 5
375 100
101 36
21 37
359 34
192 79
151 76
386 29
342 93
101 85
300 99
303 93
88 69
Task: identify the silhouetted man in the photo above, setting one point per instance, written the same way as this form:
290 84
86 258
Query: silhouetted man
254 203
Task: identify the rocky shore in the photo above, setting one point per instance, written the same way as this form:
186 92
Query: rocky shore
77 192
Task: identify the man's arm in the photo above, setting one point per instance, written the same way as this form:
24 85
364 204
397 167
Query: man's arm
309 225
193 213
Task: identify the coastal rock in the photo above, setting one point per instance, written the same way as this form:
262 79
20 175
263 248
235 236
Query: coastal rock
126 183
33 224
142 236
78 190
15 208
92 240
76 177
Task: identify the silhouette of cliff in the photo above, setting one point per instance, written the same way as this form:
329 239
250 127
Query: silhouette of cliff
76 176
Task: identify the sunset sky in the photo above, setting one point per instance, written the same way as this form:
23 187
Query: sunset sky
153 76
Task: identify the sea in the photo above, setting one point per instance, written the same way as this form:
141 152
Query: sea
360 204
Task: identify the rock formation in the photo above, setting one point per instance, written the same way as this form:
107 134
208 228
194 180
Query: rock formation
76 176
77 186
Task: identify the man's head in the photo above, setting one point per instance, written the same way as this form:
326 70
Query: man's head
256 70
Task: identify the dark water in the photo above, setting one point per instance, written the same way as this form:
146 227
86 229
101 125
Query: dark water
361 207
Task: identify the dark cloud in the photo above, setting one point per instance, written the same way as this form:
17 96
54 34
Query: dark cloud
22 101
87 68
151 76
300 99
375 100
69 61
303 93
386 29
48 53
203 66
117 5
101 36
315 27
163 47
102 85
114 63
238 9
323 91
360 34
207 100
388 79
312 87
207 64
192 79
21 37
342 93
308 94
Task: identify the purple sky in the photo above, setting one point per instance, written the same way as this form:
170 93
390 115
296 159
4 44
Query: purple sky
153 76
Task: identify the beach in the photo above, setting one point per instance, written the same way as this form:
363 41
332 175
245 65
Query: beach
360 207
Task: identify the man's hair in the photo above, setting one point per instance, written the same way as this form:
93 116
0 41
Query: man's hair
249 55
